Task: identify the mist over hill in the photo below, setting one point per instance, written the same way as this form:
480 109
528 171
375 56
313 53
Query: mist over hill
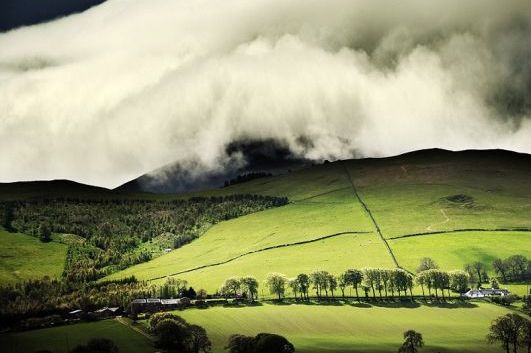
253 157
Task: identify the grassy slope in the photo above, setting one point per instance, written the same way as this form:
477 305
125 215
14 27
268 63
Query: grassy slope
405 194
335 255
315 213
25 257
353 329
459 248
57 339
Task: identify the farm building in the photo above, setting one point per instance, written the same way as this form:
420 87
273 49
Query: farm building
170 303
144 305
107 312
486 292
76 314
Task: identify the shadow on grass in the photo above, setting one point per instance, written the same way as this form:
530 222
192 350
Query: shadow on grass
455 304
458 304
396 304
241 304
359 305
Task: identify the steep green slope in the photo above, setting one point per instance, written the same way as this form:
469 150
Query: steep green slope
24 257
422 192
322 216
333 254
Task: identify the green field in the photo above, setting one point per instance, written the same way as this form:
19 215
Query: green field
325 226
62 339
460 248
334 255
24 257
350 328
301 221
405 196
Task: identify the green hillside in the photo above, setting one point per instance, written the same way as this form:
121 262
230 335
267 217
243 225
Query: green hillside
459 248
24 257
415 194
346 328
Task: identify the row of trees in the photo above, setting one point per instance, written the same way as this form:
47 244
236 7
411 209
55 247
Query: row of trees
439 281
515 268
325 284
373 281
39 298
245 286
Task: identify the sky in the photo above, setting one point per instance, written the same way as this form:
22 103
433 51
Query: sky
127 86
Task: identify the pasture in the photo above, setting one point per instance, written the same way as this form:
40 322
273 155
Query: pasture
454 250
62 339
409 197
324 215
352 328
25 257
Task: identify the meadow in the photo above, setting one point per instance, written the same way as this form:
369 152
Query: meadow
405 196
354 328
460 248
62 339
325 227
24 257
322 216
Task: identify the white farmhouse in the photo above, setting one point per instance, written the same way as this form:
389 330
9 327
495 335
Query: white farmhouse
486 292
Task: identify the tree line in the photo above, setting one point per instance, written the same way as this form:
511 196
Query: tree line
385 282
115 232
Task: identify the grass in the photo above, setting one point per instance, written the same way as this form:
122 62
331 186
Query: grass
24 257
454 250
416 208
334 255
346 328
405 195
61 339
293 223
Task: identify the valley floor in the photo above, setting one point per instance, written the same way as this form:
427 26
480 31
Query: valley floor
355 328
312 328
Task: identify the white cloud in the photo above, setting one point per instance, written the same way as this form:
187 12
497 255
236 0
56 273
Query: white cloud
103 96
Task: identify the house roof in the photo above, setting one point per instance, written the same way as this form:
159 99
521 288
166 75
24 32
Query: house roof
78 311
104 309
139 301
487 291
170 301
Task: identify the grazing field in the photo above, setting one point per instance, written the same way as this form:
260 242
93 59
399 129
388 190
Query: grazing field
454 250
405 195
418 208
334 255
62 339
25 257
321 216
351 328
